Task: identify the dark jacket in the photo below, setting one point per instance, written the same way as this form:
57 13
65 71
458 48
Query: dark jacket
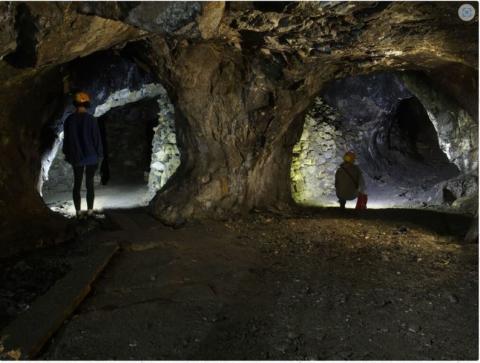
349 181
82 142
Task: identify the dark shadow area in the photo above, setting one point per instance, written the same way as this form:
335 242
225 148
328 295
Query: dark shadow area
127 134
28 275
271 6
25 54
419 132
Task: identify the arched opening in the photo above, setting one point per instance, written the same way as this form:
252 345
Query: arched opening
418 132
398 147
136 119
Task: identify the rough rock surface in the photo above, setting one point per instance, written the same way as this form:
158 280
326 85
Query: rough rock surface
406 154
391 285
240 89
103 76
157 17
7 22
457 130
317 155
165 157
292 56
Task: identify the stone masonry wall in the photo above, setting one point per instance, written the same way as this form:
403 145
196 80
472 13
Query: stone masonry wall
165 153
316 156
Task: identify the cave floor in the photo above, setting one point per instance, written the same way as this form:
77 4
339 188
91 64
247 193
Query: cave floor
117 195
387 284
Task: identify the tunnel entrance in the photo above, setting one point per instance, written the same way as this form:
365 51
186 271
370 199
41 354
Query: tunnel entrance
136 119
396 143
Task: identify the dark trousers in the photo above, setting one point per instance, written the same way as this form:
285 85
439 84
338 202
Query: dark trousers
77 184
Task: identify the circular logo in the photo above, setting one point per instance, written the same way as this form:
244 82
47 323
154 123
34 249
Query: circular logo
466 12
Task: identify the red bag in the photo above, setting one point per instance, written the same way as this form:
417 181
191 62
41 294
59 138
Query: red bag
361 201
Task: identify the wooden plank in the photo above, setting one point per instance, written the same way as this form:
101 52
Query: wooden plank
24 337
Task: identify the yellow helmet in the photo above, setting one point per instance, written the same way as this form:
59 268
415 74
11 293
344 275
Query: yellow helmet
81 97
349 157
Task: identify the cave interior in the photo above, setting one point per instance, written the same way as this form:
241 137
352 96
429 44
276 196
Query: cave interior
216 225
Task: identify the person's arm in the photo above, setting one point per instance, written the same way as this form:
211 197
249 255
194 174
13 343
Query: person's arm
66 137
97 138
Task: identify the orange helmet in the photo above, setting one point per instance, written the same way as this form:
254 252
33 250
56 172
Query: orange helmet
81 97
349 157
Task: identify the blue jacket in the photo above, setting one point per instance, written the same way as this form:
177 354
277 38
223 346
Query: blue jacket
82 142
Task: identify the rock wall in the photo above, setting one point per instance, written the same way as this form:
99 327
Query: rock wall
165 154
316 156
56 173
130 152
458 137
362 115
113 80
456 128
241 78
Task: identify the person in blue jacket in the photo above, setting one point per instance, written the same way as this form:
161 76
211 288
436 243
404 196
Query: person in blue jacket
82 146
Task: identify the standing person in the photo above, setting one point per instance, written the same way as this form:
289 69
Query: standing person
349 183
82 146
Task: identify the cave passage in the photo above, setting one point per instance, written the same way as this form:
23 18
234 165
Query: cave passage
219 235
388 127
136 121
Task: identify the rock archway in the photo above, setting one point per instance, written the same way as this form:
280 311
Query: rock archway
397 142
135 116
241 78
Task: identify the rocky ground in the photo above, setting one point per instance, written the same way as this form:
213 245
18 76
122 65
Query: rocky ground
387 284
27 276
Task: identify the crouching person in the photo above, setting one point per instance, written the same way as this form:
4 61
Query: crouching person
349 182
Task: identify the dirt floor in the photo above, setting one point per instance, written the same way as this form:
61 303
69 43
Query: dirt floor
387 284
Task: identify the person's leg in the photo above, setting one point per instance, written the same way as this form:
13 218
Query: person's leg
342 203
77 185
90 173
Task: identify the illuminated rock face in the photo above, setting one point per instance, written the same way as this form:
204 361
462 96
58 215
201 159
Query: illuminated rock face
317 155
241 78
407 156
457 130
133 150
112 81
165 157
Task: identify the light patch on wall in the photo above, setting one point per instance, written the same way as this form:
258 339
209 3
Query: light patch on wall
116 99
125 96
393 52
165 154
316 157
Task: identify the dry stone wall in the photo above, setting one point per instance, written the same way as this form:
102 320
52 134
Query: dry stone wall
165 156
317 156
165 153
